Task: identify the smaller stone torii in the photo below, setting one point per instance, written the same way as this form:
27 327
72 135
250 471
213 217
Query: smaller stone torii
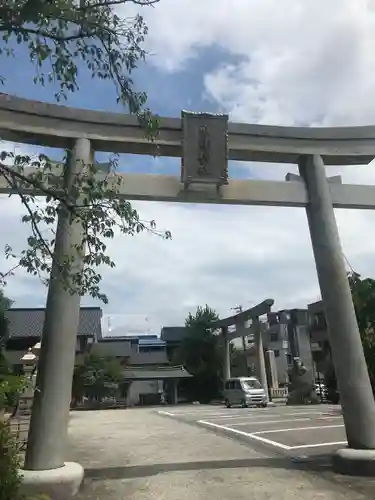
239 320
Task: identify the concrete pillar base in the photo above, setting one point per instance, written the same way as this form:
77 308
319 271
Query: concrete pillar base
353 462
58 484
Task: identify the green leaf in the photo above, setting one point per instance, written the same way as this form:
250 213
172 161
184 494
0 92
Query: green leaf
60 41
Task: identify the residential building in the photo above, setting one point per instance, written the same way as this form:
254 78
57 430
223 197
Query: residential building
173 337
242 343
320 346
25 326
317 323
134 350
275 338
146 367
144 357
288 336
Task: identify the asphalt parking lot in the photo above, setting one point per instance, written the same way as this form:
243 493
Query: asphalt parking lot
293 430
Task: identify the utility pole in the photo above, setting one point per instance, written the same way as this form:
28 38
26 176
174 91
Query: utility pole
239 309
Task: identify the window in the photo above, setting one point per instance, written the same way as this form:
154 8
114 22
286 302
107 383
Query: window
150 348
318 321
274 337
228 385
251 384
277 353
272 319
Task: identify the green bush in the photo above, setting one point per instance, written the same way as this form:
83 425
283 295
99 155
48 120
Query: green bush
10 463
11 388
10 467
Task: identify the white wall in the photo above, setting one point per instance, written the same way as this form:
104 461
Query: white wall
139 387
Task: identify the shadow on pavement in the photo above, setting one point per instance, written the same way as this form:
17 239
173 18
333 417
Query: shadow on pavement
319 465
138 471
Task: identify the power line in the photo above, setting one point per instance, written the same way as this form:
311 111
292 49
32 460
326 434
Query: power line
348 263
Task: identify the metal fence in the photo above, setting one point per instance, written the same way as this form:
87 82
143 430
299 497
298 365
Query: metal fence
19 428
280 393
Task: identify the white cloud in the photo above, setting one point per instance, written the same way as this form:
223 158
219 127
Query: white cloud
301 61
222 256
295 62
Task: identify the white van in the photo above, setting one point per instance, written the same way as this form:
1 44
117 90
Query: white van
244 391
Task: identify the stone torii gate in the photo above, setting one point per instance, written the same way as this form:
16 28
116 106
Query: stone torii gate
239 320
205 142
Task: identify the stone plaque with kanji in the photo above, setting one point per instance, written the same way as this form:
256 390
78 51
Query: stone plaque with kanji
204 148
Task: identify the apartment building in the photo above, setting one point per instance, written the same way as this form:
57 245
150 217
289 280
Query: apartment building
288 336
320 346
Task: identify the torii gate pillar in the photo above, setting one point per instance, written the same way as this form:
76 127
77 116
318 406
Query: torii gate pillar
356 395
240 319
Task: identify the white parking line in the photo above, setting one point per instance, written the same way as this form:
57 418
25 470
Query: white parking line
223 415
169 414
226 414
293 429
247 434
218 410
256 415
209 412
257 422
239 411
317 445
269 441
331 417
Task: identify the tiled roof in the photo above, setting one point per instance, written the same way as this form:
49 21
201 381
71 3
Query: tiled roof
160 373
138 339
24 322
123 338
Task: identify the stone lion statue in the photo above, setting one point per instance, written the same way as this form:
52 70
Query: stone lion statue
301 388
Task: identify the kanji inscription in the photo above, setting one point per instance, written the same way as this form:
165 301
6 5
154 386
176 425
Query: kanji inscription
204 148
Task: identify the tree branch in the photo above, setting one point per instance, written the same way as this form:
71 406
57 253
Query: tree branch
39 32
35 229
111 3
33 182
9 272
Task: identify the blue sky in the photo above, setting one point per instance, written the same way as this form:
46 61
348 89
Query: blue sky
262 63
167 96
